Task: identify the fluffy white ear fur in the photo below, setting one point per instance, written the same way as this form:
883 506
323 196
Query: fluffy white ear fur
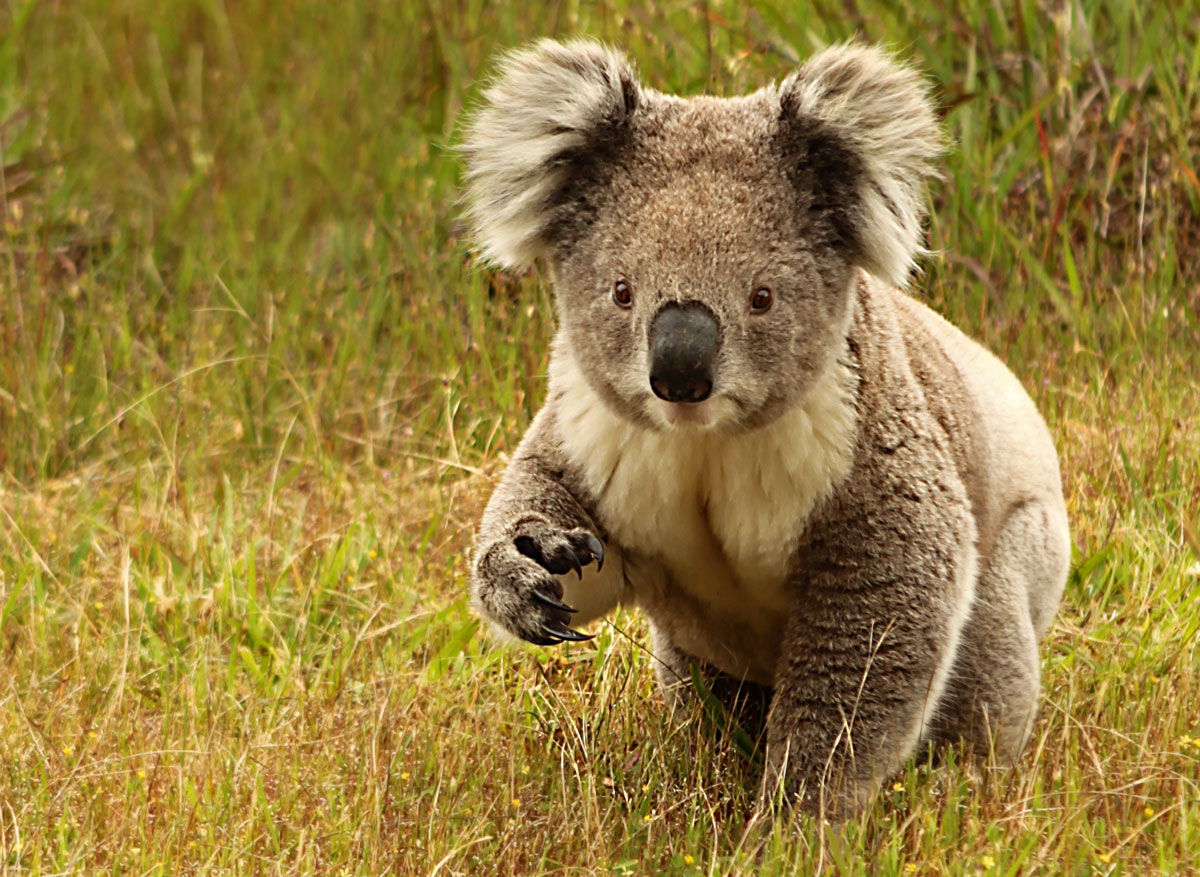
547 104
880 109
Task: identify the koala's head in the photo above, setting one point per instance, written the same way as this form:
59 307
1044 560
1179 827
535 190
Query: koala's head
704 250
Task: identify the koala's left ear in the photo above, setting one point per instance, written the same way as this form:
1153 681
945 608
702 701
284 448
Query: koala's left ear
549 123
864 125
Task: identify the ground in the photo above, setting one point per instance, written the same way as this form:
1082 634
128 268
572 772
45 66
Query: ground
254 392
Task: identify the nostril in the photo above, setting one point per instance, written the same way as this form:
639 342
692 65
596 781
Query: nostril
681 390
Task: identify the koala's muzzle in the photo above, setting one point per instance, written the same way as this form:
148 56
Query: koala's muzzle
684 338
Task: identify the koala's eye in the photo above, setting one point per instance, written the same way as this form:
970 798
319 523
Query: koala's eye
761 300
622 294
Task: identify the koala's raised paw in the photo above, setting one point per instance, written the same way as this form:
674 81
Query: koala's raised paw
560 551
516 582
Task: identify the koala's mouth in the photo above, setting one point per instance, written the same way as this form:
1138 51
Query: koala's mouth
686 413
718 412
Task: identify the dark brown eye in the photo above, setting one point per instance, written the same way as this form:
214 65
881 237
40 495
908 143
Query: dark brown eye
622 294
761 300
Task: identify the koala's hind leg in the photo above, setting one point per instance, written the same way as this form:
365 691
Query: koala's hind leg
746 701
991 700
672 669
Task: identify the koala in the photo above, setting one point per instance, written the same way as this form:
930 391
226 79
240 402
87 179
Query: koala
805 478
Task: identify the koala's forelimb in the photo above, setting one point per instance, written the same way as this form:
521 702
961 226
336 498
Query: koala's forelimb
533 531
859 681
874 630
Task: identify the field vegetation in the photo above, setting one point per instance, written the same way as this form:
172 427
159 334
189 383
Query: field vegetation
254 391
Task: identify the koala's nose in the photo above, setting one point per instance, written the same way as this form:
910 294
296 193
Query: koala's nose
683 352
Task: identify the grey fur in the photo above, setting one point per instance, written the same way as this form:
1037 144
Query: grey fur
866 515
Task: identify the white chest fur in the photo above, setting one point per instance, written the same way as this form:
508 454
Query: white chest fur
722 514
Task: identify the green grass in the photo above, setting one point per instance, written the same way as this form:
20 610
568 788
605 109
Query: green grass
254 393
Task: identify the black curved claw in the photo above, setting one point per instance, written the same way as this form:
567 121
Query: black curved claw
541 640
596 547
577 566
547 600
562 632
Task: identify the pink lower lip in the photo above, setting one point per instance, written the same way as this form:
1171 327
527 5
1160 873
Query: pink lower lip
683 412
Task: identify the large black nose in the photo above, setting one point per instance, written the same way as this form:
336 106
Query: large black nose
683 352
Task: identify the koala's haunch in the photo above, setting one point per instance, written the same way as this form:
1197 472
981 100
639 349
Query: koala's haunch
804 477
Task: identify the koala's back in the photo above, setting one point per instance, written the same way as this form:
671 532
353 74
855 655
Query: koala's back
1001 444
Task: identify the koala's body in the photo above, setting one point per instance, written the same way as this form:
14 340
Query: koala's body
804 477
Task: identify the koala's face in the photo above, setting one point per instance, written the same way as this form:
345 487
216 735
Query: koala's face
704 250
708 290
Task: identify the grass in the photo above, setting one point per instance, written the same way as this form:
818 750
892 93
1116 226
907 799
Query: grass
254 393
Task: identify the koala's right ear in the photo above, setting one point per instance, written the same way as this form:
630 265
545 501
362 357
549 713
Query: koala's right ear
555 114
868 122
